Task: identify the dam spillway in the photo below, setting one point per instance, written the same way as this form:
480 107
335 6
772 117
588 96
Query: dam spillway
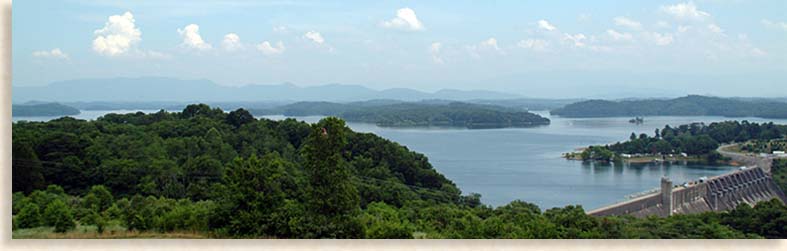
720 193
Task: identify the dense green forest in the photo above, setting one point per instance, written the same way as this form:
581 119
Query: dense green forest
44 109
695 139
398 114
692 105
219 175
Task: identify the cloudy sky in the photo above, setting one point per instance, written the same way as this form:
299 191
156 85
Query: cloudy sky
534 48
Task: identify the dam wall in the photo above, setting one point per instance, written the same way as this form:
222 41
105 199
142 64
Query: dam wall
720 193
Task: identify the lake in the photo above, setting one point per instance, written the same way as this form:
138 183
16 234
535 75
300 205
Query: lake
526 164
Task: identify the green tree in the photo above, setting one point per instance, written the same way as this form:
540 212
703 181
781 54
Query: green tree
29 216
332 199
26 169
58 215
99 198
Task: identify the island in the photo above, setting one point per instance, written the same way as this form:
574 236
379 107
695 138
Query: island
391 113
42 109
692 105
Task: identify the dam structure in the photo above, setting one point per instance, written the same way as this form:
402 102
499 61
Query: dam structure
720 193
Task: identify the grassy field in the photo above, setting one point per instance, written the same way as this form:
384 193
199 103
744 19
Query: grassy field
89 232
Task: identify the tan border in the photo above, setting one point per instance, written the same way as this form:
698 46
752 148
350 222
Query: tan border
171 245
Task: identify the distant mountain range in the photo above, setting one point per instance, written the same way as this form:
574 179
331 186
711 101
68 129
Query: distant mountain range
692 105
154 89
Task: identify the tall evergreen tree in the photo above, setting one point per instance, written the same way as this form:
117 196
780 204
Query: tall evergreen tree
332 197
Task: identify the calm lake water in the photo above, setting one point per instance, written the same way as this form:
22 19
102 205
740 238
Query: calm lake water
525 163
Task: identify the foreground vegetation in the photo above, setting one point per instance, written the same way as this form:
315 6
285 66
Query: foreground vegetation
696 139
399 114
692 105
204 173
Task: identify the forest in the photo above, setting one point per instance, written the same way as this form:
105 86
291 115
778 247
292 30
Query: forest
393 113
692 105
696 139
214 174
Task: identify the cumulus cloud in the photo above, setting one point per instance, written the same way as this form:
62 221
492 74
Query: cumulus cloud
55 53
533 44
769 23
683 29
715 28
279 29
192 38
628 23
488 45
662 39
578 40
544 24
434 50
491 43
231 42
268 49
315 37
685 11
117 36
618 36
405 20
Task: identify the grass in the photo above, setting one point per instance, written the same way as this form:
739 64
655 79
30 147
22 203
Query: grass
110 232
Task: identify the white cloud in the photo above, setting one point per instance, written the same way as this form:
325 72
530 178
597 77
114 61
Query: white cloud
279 29
534 44
231 42
315 37
117 36
577 39
405 20
683 29
617 36
628 23
192 39
769 23
662 39
685 11
485 46
491 43
55 53
434 50
266 48
662 24
758 52
544 24
715 28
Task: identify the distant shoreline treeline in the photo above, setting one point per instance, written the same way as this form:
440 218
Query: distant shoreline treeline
692 105
401 114
43 109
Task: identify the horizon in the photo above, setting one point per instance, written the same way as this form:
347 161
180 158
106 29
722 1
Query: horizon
535 50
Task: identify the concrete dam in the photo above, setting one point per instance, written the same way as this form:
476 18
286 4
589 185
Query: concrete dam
720 193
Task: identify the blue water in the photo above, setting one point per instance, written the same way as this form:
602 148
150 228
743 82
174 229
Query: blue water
526 164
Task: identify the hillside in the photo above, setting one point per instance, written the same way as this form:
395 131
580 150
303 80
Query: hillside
692 105
42 109
404 114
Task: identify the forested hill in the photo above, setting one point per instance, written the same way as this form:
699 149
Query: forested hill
43 109
692 105
425 113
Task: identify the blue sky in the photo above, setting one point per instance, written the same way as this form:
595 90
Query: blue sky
535 48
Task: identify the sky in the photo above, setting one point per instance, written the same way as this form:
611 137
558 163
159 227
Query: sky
544 49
